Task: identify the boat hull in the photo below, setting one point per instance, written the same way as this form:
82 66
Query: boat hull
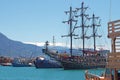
68 65
46 64
20 65
6 64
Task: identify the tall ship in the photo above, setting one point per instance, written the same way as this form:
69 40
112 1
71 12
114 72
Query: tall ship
90 58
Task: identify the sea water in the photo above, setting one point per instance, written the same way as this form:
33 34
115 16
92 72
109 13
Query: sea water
31 73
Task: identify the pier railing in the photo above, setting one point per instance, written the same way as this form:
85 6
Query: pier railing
114 34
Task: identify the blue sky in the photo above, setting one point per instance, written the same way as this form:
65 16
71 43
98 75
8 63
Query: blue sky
40 20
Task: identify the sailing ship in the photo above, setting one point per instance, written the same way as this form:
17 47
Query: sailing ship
90 58
112 71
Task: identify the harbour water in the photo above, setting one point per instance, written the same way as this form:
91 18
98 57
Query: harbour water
31 73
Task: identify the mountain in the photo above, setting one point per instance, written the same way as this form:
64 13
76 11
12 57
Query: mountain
13 48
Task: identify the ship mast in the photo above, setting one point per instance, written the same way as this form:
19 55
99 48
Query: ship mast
94 35
70 22
83 16
83 35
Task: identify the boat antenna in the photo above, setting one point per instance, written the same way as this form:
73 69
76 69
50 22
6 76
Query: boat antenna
70 22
